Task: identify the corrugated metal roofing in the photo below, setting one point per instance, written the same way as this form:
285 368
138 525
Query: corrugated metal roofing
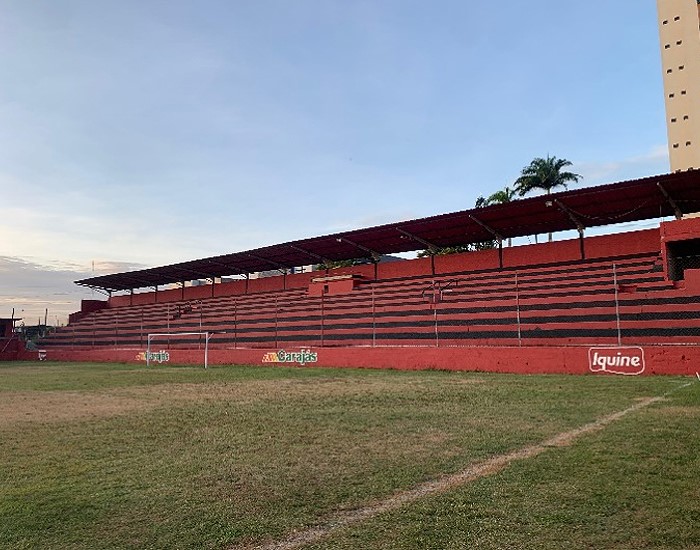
634 200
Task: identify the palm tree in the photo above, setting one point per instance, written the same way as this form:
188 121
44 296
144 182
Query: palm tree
545 174
502 196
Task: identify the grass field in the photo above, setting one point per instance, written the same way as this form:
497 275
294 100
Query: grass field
118 456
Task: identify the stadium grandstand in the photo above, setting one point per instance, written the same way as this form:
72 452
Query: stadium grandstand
624 302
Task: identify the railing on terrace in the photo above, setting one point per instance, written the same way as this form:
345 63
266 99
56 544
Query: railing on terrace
625 304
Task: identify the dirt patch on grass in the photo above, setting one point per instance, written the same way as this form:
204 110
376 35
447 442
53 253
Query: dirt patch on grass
258 390
62 406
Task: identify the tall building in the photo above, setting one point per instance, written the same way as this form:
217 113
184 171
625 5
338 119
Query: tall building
679 30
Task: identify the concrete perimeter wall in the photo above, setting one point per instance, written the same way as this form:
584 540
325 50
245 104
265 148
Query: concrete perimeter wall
664 360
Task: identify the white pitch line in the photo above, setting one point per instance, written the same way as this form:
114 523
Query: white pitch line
490 466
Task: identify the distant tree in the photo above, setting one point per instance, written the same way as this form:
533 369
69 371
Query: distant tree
446 250
502 196
481 202
337 264
544 174
471 247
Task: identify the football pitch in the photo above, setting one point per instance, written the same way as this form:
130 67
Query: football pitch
121 456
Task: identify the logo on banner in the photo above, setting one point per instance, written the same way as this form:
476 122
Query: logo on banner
161 356
616 360
301 357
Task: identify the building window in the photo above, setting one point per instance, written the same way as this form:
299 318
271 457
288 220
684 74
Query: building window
671 96
667 46
687 144
682 92
665 22
681 67
675 146
679 42
685 117
673 120
677 18
669 71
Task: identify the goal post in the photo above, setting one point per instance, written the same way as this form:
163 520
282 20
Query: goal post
153 335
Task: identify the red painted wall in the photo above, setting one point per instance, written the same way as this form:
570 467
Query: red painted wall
366 271
232 288
637 242
406 268
667 360
468 261
144 298
119 301
198 292
542 253
680 230
300 280
266 284
332 288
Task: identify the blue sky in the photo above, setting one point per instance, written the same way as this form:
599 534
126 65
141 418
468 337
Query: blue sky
140 133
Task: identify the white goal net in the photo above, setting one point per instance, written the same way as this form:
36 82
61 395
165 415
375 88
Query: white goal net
176 335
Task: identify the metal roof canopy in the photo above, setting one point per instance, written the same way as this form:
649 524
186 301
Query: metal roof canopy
634 200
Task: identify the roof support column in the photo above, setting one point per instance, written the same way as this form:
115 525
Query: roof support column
580 227
433 249
496 234
676 210
374 255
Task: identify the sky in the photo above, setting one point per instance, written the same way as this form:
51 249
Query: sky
139 133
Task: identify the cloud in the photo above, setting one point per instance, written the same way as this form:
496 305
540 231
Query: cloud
31 288
655 161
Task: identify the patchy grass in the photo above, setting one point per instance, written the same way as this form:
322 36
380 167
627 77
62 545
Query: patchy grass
117 456
634 485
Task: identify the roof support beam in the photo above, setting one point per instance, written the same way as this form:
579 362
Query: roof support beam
280 267
100 289
373 254
310 254
491 230
573 217
430 246
199 274
579 225
671 202
138 283
237 271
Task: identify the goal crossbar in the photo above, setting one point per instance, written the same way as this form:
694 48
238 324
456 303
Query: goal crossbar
206 335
